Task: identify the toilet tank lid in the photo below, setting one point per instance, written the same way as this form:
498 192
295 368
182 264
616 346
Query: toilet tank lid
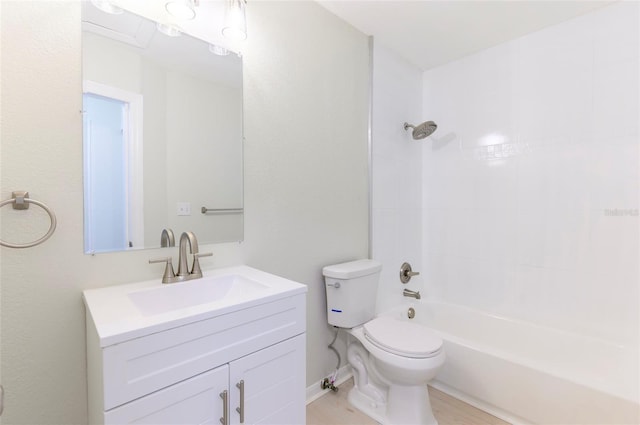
352 269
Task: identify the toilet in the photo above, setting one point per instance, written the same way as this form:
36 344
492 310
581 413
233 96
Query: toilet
392 359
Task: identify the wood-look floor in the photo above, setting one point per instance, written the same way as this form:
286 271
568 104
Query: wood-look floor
334 409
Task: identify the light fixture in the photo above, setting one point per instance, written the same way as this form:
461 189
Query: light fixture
107 6
235 21
218 50
183 10
169 29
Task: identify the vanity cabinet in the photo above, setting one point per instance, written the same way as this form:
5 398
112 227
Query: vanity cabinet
262 387
194 401
173 369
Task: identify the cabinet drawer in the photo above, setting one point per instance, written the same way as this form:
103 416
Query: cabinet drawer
143 365
192 402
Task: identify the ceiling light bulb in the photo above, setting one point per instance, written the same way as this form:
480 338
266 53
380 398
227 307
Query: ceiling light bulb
168 29
235 22
107 6
181 9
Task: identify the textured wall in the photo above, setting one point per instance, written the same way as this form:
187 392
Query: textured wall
306 92
306 197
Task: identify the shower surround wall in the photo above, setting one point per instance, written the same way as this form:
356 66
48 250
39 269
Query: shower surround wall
530 184
396 173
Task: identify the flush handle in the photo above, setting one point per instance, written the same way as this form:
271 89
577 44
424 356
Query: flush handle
406 273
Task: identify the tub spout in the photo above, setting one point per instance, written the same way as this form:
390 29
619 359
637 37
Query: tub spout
410 293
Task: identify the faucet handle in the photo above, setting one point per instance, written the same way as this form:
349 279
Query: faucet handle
195 269
406 273
168 270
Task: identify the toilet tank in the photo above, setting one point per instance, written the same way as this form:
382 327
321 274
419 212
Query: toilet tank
351 290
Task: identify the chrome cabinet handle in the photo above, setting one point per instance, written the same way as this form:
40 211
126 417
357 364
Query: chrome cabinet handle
224 420
240 409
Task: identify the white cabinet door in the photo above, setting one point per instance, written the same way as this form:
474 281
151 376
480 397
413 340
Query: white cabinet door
144 365
194 401
274 384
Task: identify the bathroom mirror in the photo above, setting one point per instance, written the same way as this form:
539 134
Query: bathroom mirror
162 135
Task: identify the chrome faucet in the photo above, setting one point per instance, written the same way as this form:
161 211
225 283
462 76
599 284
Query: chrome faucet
410 293
183 270
167 238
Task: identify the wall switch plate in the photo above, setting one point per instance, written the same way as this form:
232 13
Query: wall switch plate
184 208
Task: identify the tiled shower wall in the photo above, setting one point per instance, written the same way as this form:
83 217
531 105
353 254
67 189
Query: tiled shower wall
397 173
530 186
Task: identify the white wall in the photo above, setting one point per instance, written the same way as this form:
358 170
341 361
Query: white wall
306 108
397 173
306 112
537 140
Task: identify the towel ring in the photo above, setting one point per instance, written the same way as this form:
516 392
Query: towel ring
21 201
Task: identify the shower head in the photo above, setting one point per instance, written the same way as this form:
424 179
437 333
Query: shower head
422 130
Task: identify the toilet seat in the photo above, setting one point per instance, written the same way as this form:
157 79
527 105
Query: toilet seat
402 338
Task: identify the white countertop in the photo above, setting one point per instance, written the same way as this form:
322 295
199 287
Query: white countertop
117 318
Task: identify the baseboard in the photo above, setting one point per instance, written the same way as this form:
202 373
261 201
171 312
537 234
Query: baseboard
315 391
489 408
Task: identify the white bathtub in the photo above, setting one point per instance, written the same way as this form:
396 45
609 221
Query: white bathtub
526 373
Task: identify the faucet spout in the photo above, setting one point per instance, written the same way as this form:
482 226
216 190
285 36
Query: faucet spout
411 294
184 273
167 238
190 237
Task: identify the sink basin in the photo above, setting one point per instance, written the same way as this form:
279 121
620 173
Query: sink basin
206 290
123 312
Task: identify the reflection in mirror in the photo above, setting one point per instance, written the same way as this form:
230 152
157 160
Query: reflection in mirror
162 135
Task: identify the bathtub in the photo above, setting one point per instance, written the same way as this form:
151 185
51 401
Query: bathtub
525 373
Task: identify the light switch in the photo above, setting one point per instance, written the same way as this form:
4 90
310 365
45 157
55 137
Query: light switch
184 208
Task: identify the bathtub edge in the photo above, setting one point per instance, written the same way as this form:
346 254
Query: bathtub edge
479 404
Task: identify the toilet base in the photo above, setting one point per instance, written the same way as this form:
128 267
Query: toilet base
376 411
407 405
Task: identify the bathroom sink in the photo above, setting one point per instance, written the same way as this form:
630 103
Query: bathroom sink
176 296
124 312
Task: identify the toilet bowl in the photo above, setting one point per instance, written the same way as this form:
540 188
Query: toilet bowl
392 360
394 370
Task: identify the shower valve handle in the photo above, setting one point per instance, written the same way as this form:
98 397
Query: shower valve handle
406 273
